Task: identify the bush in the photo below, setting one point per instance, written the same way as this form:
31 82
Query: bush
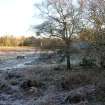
76 80
4 87
14 82
87 62
100 91
27 84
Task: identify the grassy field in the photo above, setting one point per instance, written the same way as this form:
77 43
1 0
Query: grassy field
11 52
17 49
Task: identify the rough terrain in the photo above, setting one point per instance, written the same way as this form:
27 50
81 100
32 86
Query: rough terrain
47 83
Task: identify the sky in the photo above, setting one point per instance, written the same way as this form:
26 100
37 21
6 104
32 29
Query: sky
17 16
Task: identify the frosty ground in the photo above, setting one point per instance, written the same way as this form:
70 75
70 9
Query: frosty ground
48 83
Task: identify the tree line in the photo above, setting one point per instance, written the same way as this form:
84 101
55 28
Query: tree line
43 43
10 41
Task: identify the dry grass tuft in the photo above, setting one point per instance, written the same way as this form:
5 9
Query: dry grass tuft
75 80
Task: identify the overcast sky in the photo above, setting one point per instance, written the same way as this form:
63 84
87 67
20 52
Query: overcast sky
16 16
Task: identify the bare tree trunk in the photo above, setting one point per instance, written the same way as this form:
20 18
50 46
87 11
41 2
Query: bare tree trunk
102 62
68 63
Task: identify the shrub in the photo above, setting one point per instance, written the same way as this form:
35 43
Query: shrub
87 62
4 87
100 91
75 80
14 82
27 84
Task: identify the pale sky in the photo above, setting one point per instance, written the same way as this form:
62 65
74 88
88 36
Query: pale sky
16 16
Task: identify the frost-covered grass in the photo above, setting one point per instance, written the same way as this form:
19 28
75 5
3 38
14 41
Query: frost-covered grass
7 48
22 82
11 52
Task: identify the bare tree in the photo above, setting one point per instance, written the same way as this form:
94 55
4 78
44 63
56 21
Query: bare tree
97 19
63 19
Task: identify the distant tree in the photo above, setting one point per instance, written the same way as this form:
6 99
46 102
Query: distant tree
62 20
10 40
51 43
28 41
